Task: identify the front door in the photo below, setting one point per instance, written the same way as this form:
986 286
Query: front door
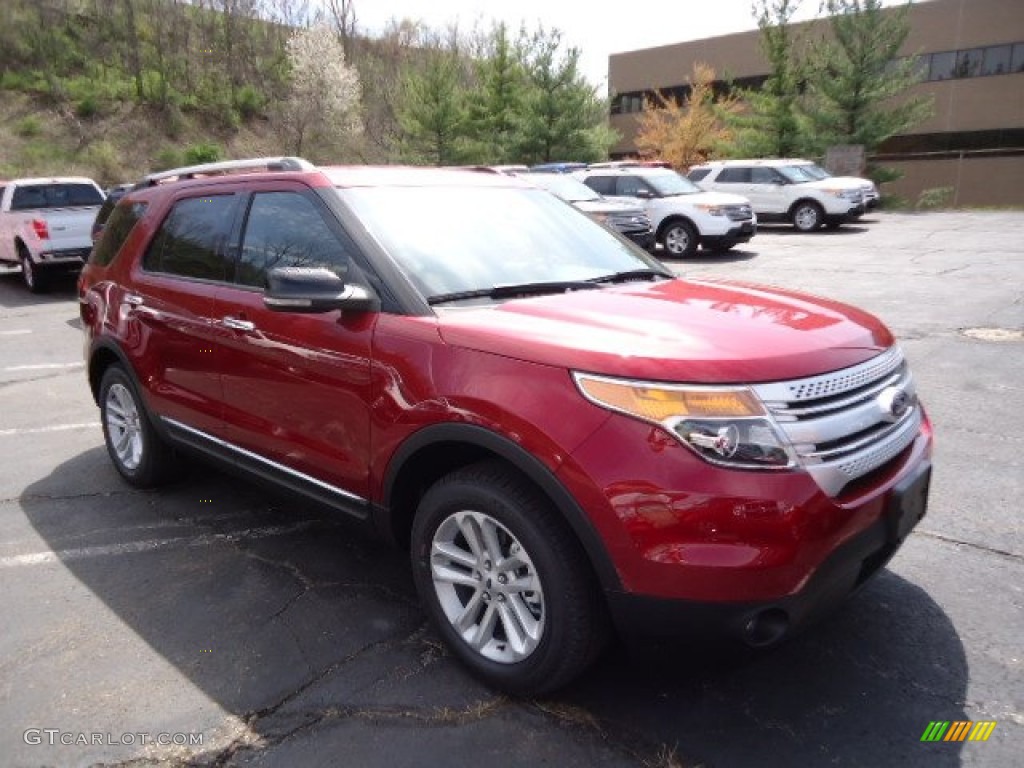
296 387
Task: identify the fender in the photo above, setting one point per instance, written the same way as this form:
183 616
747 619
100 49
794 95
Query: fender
522 460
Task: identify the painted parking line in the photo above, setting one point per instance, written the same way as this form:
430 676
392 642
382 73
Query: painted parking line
152 545
51 428
42 367
16 332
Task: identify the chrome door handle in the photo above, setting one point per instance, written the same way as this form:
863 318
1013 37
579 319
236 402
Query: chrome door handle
236 324
133 300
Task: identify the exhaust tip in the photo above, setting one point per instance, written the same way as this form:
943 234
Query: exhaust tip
766 628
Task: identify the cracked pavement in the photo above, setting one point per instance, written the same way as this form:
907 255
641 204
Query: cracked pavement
283 637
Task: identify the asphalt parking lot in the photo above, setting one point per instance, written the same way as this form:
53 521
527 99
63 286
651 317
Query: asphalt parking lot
212 611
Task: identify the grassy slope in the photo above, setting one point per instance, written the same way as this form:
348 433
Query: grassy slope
36 139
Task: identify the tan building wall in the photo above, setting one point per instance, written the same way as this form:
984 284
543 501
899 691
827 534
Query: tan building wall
971 104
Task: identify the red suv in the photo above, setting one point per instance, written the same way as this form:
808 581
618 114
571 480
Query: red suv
568 438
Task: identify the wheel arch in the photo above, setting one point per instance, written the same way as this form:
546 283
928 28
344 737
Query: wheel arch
102 356
672 218
437 450
811 200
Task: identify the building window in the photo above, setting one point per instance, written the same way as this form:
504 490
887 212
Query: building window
997 60
943 66
1017 64
968 63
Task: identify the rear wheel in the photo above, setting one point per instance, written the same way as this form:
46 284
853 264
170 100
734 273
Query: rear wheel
505 581
30 273
679 239
134 446
807 216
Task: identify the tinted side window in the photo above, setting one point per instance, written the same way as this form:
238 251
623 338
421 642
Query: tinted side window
630 186
603 185
190 242
285 229
119 225
698 174
764 176
734 176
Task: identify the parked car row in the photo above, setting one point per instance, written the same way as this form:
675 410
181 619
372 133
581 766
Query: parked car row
569 439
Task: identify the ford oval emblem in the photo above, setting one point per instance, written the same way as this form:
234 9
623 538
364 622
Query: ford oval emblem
894 402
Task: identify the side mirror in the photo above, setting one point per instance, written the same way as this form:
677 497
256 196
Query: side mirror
314 290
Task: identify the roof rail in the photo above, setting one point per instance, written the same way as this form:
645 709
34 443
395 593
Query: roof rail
227 167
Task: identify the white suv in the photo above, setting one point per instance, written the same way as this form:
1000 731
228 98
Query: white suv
783 190
682 214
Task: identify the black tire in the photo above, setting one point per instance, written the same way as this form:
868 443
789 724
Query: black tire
137 451
807 216
565 609
679 239
31 275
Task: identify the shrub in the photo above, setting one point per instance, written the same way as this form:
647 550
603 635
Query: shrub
202 153
936 197
249 102
28 127
167 158
87 107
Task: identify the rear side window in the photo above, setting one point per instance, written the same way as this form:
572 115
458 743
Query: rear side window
121 222
36 196
285 229
603 185
190 242
698 174
734 176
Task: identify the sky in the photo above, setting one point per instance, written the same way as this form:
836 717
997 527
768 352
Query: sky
597 28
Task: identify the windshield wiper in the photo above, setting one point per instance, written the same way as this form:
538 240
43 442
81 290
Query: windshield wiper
630 274
509 291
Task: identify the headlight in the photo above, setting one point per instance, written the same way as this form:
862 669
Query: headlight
723 425
714 210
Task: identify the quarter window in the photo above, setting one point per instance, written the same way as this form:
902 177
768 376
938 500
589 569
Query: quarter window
121 222
285 229
190 242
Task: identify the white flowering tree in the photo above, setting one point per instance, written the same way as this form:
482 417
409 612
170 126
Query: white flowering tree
322 108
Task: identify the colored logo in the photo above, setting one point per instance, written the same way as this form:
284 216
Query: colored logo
960 730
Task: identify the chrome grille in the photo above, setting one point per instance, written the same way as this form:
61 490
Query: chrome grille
845 424
739 212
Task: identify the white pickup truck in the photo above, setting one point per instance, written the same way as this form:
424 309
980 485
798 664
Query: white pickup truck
45 225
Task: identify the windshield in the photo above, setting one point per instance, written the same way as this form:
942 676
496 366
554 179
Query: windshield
566 187
671 183
816 171
451 240
797 174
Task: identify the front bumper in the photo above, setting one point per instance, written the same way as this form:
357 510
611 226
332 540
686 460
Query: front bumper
643 238
741 233
704 549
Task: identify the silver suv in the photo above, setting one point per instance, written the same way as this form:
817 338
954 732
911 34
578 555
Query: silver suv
683 215
783 190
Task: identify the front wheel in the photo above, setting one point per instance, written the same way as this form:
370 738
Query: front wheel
679 239
505 582
808 216
135 448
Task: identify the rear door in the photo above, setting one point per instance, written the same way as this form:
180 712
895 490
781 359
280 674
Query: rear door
167 311
297 387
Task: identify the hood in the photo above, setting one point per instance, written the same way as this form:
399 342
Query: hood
837 182
675 330
712 198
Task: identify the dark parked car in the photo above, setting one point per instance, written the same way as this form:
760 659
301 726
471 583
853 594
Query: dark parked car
113 195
